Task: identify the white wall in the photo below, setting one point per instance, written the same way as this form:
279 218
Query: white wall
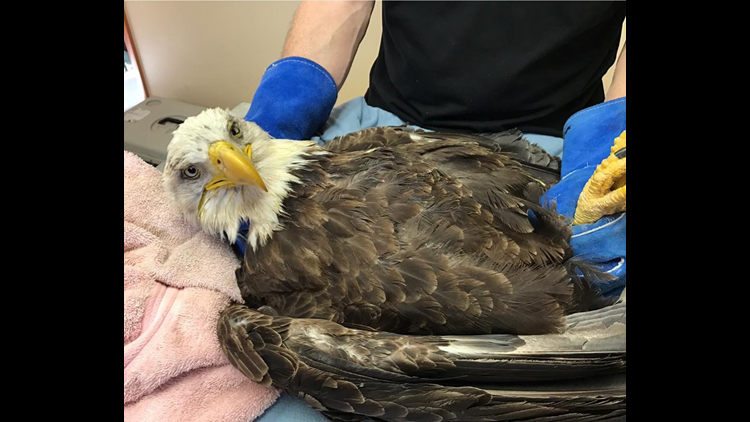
213 53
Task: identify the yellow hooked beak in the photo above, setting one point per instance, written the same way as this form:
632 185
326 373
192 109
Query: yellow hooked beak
235 168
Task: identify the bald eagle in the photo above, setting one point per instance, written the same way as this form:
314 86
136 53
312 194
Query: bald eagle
414 233
382 246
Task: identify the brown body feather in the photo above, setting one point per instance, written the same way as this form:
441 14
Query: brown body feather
416 233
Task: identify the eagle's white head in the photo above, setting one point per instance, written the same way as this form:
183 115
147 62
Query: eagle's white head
221 170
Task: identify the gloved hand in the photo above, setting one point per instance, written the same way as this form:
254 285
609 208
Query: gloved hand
589 139
294 98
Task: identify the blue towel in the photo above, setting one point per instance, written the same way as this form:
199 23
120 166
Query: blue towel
291 409
355 115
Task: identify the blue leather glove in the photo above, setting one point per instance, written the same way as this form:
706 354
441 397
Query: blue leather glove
588 139
294 99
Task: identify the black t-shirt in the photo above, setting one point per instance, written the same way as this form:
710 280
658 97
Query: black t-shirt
491 66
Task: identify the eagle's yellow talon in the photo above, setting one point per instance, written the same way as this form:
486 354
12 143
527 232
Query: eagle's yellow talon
604 193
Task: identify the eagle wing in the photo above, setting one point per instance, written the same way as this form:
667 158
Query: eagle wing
354 375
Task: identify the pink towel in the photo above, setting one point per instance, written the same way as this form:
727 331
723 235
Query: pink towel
177 280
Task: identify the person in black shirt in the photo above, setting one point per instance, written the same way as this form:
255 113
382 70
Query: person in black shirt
463 66
492 66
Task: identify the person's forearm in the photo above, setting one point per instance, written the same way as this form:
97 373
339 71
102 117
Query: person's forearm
329 34
617 88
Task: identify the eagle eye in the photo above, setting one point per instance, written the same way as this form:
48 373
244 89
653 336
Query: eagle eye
234 130
191 173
